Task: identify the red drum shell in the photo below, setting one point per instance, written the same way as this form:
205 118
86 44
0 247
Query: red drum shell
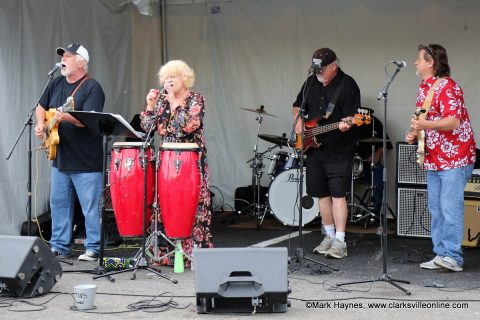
127 187
179 188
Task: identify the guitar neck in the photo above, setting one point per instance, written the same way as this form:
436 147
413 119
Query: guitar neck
326 128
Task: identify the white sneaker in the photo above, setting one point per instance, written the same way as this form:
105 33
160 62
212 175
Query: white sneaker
430 265
88 256
324 246
450 264
338 250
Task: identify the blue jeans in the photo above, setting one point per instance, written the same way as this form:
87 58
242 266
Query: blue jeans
88 186
446 205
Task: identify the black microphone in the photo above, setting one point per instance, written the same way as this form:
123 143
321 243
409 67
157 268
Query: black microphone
57 66
399 63
307 202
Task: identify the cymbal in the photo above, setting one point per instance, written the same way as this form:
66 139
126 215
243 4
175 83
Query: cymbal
372 140
282 141
260 110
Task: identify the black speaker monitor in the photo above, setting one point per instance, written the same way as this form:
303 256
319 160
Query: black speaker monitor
27 266
241 280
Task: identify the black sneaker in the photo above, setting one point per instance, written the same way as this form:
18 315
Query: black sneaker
59 254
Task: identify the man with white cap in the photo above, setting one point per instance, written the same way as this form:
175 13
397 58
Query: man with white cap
77 166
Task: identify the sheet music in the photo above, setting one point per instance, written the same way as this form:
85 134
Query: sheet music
116 124
126 124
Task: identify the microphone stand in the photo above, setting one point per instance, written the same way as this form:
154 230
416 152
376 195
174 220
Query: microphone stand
29 123
299 251
385 277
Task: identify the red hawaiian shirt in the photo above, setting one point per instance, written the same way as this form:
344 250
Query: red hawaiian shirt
447 149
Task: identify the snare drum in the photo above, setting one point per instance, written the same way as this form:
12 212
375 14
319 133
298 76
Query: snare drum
127 187
284 202
282 161
179 187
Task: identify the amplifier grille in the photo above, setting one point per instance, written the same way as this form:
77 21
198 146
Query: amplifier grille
413 217
408 170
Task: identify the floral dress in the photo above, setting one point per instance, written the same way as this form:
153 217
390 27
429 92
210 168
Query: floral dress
186 125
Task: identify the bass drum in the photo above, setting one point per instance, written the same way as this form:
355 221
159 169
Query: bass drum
282 198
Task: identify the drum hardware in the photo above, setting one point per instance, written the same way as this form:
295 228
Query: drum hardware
257 209
360 211
357 168
282 161
260 111
177 216
140 256
281 141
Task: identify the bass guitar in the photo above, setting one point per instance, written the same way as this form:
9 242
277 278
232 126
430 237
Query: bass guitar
312 130
51 137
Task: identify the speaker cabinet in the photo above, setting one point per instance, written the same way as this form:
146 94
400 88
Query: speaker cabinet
241 280
27 266
408 170
413 217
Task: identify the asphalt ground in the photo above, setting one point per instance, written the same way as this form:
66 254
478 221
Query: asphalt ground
314 286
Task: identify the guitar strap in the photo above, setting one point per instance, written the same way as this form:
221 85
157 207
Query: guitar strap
428 100
333 101
85 78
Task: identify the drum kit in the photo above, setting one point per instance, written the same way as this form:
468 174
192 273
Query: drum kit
174 167
284 173
365 209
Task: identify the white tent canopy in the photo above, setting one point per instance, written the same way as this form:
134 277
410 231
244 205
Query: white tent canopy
245 54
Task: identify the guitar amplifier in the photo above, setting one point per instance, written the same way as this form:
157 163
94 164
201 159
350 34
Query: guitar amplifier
413 217
408 170
471 229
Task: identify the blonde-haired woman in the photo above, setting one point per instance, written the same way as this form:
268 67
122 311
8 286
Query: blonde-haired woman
180 119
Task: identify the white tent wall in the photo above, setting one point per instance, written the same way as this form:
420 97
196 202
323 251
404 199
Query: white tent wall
252 53
30 31
246 53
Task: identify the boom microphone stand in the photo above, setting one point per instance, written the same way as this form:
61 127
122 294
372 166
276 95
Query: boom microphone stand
383 214
299 252
29 123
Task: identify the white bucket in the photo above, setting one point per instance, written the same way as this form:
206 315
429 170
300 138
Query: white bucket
84 296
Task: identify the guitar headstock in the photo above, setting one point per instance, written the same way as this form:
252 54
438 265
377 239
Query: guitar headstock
67 106
362 117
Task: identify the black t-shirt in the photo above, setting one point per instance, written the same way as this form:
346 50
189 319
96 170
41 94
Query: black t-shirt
80 149
336 145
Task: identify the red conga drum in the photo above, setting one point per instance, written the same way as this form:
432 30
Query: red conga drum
179 187
126 187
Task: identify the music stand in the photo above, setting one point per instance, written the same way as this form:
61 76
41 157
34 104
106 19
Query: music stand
109 124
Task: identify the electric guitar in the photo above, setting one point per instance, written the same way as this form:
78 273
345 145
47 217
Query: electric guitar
420 139
312 130
51 137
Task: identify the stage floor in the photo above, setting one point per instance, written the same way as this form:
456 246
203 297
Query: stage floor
432 291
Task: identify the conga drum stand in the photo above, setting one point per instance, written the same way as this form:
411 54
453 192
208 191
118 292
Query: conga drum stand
115 125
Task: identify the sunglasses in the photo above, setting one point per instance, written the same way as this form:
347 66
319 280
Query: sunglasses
430 51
